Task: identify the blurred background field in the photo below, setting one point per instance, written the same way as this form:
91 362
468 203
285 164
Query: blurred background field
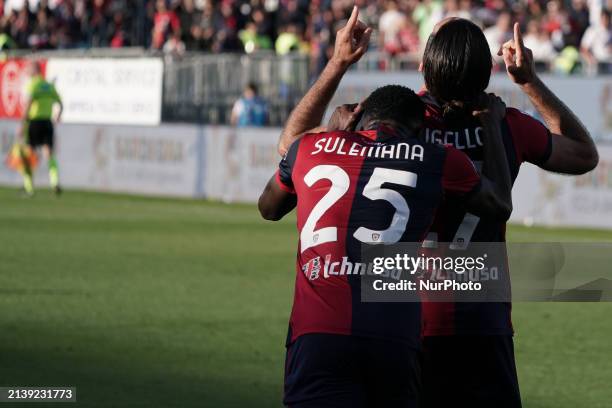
169 302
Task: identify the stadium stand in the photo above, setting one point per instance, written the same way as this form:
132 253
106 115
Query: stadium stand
212 48
558 31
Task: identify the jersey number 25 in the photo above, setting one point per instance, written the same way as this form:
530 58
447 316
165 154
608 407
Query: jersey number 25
373 190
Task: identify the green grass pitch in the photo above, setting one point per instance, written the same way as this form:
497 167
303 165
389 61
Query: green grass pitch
146 302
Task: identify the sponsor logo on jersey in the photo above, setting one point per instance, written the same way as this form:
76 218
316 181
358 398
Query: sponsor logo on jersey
313 268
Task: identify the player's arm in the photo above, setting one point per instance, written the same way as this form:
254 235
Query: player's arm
278 197
58 100
351 43
573 150
60 111
494 198
276 202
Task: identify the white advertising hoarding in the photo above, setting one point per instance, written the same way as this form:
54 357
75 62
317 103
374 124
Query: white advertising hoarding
164 160
545 198
136 159
239 162
109 91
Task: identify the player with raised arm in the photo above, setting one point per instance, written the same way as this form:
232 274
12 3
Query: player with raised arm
457 68
381 185
468 350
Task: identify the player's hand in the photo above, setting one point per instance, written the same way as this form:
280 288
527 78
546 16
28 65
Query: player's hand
351 41
345 117
518 59
492 106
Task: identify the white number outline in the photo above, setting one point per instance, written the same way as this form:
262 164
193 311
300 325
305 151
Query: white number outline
340 184
374 191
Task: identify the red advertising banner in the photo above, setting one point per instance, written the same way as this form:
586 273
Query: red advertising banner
13 79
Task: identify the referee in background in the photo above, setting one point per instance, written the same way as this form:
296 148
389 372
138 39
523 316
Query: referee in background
37 125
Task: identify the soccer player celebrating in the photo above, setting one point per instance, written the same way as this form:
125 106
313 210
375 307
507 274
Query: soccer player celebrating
380 185
37 126
468 347
468 352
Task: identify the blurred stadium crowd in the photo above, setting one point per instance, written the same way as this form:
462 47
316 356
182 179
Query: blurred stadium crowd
560 32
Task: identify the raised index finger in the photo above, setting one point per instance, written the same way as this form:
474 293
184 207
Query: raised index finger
518 41
353 18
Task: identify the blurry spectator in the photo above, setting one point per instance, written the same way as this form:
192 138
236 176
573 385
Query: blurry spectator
188 17
97 23
406 40
69 30
6 42
204 32
538 41
41 33
579 20
165 22
389 26
535 9
556 23
487 16
452 9
467 10
427 14
229 16
568 61
498 34
288 40
226 40
291 13
252 40
119 36
263 23
597 42
250 109
174 46
20 27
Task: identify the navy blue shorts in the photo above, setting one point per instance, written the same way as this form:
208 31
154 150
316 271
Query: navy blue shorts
329 370
469 371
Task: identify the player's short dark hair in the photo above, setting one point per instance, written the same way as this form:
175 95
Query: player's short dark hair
397 103
457 64
253 87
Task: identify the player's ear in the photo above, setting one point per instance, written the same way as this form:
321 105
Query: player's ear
421 66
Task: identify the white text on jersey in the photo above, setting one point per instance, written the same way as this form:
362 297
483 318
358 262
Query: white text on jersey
340 146
468 139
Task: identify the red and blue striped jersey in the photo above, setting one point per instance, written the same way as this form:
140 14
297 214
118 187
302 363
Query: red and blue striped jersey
356 188
525 140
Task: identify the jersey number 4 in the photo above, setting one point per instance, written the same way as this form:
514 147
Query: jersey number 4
373 190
